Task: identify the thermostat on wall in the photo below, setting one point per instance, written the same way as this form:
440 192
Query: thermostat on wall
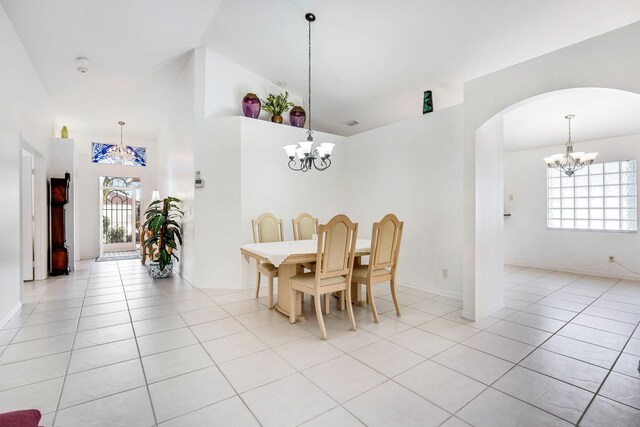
199 181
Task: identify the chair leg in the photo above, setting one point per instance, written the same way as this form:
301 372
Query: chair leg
395 297
292 305
317 299
342 300
326 303
258 285
270 292
372 302
350 308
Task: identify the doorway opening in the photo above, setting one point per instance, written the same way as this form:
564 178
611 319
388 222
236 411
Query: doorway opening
119 217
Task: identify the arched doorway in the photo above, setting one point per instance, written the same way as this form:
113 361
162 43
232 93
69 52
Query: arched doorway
484 197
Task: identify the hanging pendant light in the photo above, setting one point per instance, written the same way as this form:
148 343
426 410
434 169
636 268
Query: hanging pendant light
570 161
120 154
309 156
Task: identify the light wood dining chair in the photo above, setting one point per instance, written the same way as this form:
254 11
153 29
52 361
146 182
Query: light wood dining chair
266 228
304 227
385 249
334 266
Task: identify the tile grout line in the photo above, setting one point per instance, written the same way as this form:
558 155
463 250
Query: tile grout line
610 370
135 338
514 364
379 337
64 381
213 361
538 347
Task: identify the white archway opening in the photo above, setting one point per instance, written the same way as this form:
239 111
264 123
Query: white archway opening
528 123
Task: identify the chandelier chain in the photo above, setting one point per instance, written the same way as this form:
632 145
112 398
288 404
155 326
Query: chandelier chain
309 157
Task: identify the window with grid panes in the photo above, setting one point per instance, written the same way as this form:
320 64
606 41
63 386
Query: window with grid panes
601 196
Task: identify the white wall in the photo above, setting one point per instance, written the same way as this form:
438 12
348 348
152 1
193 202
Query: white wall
526 238
87 182
413 169
218 205
610 61
489 222
268 185
25 117
199 135
176 147
246 174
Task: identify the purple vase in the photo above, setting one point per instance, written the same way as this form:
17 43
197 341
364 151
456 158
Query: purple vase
297 117
251 105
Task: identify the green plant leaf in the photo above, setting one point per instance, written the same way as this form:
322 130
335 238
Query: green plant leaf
156 222
277 105
163 219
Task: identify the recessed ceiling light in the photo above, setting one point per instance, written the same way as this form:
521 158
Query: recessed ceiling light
352 123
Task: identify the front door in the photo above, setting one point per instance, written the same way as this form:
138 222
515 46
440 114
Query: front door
118 219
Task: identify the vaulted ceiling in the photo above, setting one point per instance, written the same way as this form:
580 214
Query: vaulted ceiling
599 113
136 49
371 59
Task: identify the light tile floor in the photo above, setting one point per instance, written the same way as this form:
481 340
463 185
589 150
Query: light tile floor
108 346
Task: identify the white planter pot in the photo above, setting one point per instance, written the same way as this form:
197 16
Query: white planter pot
156 273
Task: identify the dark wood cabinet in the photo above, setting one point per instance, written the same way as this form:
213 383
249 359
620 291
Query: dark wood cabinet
59 249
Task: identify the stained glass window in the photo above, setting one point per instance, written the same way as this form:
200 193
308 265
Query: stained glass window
99 155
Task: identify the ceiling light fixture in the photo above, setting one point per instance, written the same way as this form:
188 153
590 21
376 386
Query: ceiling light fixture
308 156
120 154
82 64
570 161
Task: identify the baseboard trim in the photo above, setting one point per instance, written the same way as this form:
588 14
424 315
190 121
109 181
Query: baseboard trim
10 314
437 291
484 313
228 286
575 271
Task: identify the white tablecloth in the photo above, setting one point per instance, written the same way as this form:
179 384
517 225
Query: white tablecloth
277 252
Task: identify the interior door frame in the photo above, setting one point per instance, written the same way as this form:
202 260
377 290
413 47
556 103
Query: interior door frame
40 213
27 215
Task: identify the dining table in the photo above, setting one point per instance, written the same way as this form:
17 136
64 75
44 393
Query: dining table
288 257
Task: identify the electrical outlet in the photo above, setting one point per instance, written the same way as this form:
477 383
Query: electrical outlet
612 259
445 273
510 196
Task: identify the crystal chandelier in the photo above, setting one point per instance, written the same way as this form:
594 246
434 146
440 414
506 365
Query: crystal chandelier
120 154
570 161
308 156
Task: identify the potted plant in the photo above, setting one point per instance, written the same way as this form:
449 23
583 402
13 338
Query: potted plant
277 105
163 219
